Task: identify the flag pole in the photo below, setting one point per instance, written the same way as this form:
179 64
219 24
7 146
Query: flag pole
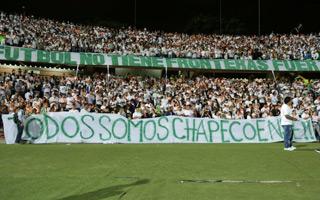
274 77
108 71
77 71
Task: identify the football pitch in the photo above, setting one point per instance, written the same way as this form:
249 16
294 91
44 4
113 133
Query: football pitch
159 171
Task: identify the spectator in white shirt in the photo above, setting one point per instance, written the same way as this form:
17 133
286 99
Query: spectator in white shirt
287 123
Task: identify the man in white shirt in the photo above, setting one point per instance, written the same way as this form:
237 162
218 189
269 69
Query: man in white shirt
85 109
74 109
137 114
188 112
287 123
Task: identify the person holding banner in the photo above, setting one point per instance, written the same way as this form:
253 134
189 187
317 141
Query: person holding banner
287 123
18 119
316 124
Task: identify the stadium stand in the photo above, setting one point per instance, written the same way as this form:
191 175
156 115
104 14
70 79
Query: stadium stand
45 34
136 97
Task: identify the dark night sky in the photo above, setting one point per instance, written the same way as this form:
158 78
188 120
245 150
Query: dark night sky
280 16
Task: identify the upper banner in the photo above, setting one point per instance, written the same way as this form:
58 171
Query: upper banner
71 58
110 128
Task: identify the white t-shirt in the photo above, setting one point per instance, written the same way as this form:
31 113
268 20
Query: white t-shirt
53 99
295 102
63 89
274 99
305 115
136 115
83 110
69 102
27 95
285 110
187 113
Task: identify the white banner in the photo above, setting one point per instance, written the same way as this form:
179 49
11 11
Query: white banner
67 127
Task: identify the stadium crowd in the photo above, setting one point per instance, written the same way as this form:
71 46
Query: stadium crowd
140 97
46 34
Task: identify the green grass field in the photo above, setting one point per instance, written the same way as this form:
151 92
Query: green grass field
155 171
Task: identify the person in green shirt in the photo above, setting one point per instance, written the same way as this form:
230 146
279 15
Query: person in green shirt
2 39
